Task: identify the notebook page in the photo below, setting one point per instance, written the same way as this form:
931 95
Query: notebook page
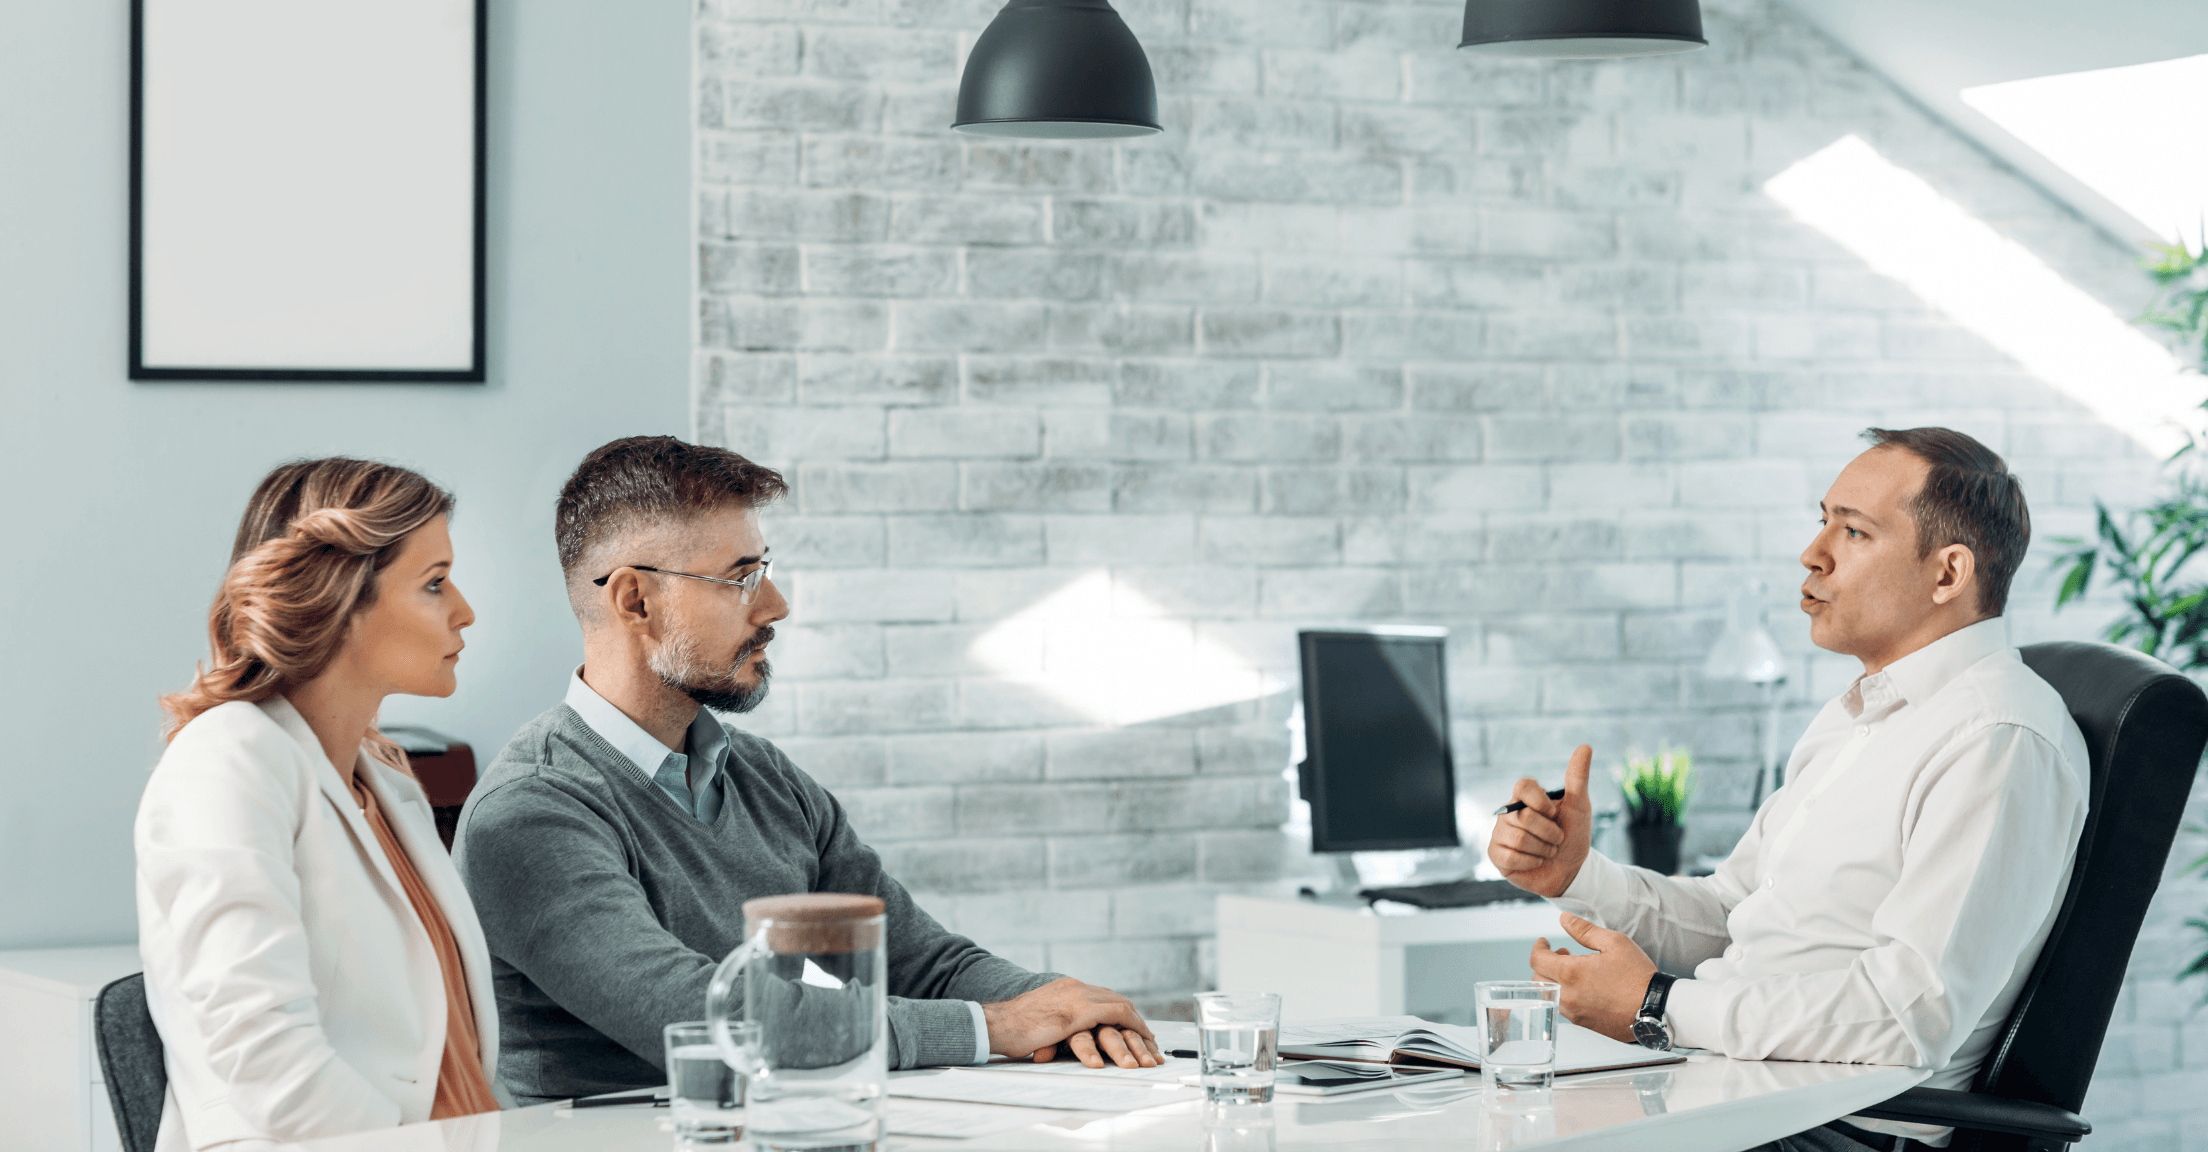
1577 1049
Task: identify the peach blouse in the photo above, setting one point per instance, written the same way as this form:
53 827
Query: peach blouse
462 1089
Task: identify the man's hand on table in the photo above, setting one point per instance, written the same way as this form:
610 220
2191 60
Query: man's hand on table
1540 847
1093 1024
1602 991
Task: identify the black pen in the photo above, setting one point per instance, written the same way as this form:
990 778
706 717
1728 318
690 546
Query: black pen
1515 805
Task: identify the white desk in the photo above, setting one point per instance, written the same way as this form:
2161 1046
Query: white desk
1709 1104
1331 959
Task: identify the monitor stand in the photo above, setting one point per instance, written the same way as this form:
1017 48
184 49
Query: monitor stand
1346 879
1336 883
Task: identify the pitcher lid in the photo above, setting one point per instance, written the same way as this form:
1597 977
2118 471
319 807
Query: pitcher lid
813 907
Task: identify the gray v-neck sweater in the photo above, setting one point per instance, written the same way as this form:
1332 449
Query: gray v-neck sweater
607 907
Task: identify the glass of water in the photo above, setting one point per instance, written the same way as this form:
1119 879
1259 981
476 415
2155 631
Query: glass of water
1517 1033
703 1091
1237 1037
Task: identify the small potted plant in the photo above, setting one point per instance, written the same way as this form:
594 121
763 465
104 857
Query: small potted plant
1655 790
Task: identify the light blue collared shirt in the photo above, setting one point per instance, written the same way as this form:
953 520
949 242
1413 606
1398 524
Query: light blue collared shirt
695 780
691 779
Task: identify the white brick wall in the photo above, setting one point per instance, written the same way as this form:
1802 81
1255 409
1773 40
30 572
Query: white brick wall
1376 331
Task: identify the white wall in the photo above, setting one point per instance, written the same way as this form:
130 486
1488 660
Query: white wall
118 500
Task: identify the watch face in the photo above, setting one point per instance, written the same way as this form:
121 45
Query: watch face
1651 1034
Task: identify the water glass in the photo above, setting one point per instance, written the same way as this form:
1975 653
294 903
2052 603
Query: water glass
1517 1033
1237 1041
703 1092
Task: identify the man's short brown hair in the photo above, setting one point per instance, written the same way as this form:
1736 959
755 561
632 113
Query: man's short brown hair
1969 498
644 482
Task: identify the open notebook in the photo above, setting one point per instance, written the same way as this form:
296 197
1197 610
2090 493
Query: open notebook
1408 1039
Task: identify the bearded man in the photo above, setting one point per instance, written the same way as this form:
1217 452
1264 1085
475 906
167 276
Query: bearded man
610 847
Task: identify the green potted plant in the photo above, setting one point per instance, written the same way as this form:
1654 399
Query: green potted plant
1655 790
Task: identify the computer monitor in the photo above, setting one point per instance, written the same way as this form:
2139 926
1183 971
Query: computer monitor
1377 767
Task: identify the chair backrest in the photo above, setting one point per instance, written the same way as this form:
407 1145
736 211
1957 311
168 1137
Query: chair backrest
2145 726
131 1061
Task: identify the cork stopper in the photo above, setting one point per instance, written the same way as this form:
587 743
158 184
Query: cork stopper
817 922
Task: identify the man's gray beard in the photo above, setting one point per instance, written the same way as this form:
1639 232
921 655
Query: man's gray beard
680 667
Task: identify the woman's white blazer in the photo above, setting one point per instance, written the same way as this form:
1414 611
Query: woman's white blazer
296 991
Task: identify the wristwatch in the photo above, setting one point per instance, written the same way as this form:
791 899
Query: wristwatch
1648 1026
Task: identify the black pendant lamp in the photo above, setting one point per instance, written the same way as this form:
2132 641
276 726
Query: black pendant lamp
1057 70
1581 29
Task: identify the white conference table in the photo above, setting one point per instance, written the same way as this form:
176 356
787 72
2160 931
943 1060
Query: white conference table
1709 1104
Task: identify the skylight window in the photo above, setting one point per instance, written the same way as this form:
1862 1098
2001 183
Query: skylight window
1901 226
2135 135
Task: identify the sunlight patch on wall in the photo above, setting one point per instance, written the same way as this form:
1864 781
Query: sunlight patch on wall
2132 134
1115 656
1902 227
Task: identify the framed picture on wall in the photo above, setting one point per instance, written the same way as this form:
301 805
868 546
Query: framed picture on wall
306 190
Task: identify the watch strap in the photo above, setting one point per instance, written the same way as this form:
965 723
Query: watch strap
1659 991
1648 1025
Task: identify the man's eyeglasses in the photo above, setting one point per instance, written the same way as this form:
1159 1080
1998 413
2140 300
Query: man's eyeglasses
746 585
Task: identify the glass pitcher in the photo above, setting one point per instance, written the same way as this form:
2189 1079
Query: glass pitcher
812 975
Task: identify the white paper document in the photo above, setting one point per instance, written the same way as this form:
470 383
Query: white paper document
958 1120
975 1086
1169 1072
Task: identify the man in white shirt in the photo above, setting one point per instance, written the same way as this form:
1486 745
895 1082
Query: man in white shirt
1887 904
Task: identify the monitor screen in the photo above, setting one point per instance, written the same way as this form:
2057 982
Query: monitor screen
1377 767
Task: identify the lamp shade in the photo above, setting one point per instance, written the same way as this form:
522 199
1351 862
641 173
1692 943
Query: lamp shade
1750 655
1057 69
1581 29
1745 650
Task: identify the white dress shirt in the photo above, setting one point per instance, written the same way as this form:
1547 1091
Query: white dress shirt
1887 904
696 780
692 778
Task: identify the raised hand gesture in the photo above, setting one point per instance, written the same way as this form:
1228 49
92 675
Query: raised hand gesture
1541 846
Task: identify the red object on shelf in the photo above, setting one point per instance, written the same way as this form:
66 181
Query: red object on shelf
446 769
447 778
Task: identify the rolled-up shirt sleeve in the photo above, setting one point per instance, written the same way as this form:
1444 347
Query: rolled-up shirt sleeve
1679 921
1989 836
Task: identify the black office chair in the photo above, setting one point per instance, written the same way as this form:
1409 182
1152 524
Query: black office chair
131 1061
2145 726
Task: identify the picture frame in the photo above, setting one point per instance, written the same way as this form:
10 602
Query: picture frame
303 213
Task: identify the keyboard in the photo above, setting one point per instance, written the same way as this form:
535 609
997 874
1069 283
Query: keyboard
1452 894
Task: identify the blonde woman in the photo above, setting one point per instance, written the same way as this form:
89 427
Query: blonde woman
312 960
